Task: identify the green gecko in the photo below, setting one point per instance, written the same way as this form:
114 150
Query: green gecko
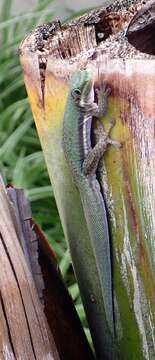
83 162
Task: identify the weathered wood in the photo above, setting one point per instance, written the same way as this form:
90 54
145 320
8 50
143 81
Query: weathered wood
14 309
22 215
27 328
99 42
56 301
6 350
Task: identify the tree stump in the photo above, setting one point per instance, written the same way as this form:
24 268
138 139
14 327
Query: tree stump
99 41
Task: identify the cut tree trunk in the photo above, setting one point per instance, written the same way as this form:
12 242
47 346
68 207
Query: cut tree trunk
49 56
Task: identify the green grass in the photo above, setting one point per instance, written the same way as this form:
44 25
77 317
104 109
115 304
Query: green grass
21 158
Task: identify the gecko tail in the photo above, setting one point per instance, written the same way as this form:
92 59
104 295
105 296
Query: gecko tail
96 218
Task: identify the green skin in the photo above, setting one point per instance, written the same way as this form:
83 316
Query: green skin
83 162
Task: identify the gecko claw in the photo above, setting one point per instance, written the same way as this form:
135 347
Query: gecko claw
115 143
104 90
107 91
112 122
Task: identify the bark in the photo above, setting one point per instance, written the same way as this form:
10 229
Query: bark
99 41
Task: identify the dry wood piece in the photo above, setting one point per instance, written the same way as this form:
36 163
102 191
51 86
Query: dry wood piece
24 332
22 218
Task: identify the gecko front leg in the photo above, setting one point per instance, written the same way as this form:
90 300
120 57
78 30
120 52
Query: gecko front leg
91 162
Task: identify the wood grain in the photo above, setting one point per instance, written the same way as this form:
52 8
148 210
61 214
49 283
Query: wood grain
26 329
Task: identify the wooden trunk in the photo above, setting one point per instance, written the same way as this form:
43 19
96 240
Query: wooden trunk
129 174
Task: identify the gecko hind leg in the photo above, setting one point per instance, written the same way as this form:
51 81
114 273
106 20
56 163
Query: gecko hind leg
116 143
91 162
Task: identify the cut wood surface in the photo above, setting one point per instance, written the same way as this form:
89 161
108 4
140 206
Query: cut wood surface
98 41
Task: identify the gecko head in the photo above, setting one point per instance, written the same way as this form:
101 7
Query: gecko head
81 85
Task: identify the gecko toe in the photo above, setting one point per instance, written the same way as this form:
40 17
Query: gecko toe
112 122
107 91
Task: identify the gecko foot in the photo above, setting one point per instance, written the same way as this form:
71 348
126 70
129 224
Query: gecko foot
102 95
103 138
103 135
112 123
116 143
103 91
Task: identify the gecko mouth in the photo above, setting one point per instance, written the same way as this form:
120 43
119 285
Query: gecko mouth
101 31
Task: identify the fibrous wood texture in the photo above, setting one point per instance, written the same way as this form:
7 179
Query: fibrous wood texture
24 332
99 41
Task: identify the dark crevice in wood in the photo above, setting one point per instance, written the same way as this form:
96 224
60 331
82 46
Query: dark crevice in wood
14 273
141 30
22 216
30 243
6 321
25 221
16 216
144 40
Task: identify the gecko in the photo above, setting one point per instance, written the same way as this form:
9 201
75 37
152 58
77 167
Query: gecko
83 161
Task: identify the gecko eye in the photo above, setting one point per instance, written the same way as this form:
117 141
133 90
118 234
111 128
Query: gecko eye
76 94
